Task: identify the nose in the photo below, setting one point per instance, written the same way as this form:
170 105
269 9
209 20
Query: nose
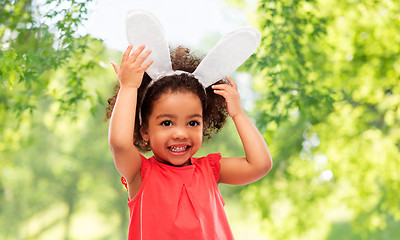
180 132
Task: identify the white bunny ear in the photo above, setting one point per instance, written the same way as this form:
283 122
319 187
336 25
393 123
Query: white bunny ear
227 55
142 27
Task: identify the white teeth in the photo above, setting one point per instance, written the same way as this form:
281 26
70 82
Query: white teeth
178 149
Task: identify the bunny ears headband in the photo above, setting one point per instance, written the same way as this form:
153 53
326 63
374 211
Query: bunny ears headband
228 54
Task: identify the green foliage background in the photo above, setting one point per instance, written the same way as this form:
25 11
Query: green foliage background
326 77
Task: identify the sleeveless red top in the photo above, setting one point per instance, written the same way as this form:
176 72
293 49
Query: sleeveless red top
179 202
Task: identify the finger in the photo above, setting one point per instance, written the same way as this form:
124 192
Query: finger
220 92
225 87
136 53
143 57
225 90
128 50
145 66
226 95
116 67
233 83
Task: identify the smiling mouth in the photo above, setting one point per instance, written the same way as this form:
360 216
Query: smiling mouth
179 149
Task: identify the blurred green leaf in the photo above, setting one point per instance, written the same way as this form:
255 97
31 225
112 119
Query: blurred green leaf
328 80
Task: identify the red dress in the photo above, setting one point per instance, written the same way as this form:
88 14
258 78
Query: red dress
179 202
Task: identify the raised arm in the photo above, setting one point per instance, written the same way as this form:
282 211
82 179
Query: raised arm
258 161
120 137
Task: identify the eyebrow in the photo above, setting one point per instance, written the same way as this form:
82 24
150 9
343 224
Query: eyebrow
165 116
173 116
196 116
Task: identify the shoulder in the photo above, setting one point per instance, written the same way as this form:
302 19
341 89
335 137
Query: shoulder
212 160
214 157
209 157
146 165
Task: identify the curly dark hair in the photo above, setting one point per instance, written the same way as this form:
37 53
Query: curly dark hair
214 105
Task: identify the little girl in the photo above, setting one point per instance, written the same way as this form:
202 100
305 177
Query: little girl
173 195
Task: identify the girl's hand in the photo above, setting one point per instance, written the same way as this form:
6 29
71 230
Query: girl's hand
130 74
231 94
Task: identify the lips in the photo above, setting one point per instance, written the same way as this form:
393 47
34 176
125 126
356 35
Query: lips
179 148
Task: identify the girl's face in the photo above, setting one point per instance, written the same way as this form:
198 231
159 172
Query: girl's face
175 128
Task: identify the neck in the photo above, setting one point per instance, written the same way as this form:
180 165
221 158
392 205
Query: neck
187 163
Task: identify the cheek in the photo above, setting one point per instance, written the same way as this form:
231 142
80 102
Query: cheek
199 134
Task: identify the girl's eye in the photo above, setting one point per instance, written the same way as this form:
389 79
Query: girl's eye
193 123
166 123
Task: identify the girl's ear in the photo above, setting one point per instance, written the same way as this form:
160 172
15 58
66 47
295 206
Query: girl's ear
144 134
